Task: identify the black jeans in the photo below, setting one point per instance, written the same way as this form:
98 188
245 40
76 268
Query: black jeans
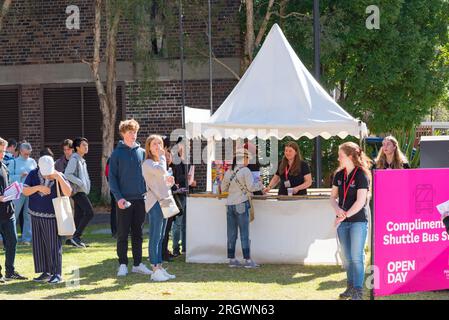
113 215
84 212
132 219
166 237
8 230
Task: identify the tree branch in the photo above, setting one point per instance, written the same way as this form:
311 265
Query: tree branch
219 62
263 27
292 14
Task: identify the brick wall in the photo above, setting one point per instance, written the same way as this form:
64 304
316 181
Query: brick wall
31 118
163 114
35 32
226 37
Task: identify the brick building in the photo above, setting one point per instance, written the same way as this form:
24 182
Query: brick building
47 94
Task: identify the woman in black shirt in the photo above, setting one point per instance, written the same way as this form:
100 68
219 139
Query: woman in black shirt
390 155
349 199
293 172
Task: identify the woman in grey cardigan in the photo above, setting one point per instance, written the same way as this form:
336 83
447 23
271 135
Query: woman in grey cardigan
158 183
239 182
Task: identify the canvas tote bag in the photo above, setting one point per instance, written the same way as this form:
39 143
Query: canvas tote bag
64 215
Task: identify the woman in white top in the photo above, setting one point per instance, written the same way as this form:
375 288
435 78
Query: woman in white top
158 183
239 182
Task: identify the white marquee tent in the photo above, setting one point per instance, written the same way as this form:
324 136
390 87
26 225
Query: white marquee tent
277 96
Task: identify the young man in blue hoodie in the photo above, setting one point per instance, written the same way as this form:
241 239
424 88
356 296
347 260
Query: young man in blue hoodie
128 187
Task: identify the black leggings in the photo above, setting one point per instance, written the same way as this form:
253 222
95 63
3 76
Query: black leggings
84 212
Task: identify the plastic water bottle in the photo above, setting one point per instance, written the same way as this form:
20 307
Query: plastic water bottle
215 187
169 174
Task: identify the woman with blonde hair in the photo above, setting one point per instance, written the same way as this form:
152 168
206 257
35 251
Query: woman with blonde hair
390 155
158 183
349 199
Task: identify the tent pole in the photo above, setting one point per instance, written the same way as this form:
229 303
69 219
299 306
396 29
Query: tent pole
316 34
209 34
183 99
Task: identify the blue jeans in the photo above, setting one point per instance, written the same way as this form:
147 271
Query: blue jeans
157 232
238 218
352 237
179 227
22 202
9 231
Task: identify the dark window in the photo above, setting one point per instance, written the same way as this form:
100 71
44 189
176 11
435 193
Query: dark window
9 106
70 112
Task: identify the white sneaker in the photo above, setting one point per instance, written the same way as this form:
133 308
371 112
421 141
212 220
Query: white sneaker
159 276
142 269
122 270
168 275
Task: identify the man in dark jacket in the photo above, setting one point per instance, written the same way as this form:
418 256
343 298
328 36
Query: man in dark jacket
67 148
7 222
128 187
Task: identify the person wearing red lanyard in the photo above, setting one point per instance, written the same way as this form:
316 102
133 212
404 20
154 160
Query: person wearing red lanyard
293 172
349 199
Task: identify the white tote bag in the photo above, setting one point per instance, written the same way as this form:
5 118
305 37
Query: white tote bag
169 207
64 215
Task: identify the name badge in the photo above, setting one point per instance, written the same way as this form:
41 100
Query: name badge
287 184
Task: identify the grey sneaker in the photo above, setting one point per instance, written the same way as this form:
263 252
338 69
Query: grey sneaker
234 263
357 294
250 264
347 293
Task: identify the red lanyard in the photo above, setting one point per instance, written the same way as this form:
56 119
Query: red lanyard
346 189
286 172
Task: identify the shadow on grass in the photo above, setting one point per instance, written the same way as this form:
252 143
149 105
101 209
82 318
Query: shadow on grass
186 273
98 271
331 285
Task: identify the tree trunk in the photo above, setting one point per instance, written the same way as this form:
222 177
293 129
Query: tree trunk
107 97
263 27
5 8
249 37
251 42
282 12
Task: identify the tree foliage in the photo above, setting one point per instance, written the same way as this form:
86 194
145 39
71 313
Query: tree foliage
389 77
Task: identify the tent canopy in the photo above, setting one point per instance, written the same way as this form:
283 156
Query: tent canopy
278 97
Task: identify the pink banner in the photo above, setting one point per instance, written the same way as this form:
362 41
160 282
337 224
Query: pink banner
411 247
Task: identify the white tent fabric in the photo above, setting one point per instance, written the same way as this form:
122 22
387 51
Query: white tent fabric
278 97
194 118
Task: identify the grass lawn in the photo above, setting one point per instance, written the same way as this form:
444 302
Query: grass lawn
97 267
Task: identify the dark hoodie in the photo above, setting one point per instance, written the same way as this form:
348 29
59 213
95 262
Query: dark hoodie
125 172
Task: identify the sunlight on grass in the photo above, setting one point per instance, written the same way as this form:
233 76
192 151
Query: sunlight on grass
91 274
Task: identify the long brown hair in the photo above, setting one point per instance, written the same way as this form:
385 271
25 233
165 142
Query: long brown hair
296 165
398 158
358 157
148 154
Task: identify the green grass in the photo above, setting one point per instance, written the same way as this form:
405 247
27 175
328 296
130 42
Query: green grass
97 279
